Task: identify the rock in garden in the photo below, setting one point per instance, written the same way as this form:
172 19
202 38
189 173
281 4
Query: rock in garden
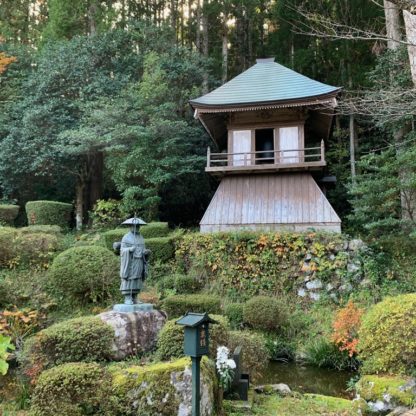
356 244
279 388
135 332
314 284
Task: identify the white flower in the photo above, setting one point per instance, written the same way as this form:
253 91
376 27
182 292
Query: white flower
231 364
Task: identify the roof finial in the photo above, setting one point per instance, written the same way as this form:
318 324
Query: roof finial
264 60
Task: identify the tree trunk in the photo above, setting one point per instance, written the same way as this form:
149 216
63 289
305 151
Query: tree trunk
352 146
205 42
198 25
410 26
95 183
224 51
79 202
92 18
392 14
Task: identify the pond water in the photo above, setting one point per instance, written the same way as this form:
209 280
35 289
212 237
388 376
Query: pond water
307 379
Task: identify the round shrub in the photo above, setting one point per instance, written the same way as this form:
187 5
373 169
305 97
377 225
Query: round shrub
49 213
170 342
265 313
84 339
8 213
167 284
73 389
177 305
235 314
255 354
85 274
387 336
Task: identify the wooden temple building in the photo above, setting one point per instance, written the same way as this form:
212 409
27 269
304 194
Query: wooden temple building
270 125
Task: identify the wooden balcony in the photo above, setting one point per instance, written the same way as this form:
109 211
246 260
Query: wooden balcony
312 158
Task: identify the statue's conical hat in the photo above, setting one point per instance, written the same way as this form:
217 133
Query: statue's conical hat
134 221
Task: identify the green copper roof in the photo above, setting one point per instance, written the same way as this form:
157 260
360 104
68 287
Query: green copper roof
265 82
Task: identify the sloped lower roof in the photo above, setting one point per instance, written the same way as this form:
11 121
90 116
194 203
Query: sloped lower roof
285 199
265 82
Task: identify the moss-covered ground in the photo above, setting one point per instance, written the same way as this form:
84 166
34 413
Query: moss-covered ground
299 405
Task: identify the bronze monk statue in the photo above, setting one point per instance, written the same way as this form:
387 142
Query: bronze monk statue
134 261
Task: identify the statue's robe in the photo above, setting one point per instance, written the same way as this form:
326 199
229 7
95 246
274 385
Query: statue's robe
133 263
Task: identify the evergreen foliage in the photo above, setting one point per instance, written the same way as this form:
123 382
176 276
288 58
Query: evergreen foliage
85 339
86 274
49 213
88 390
8 214
387 337
178 305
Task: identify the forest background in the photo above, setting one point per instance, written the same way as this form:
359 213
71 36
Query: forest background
94 99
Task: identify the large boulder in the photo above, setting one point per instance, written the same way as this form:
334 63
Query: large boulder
135 332
164 389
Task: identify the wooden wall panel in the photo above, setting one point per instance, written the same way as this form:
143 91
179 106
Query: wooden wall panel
291 199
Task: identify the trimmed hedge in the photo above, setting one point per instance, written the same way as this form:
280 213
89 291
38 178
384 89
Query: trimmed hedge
73 389
162 248
85 274
84 339
265 313
170 342
387 336
155 229
8 213
177 305
49 213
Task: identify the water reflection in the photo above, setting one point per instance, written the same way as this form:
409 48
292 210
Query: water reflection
307 379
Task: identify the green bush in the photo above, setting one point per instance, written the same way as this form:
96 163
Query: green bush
49 213
166 285
8 213
177 305
36 249
84 339
171 338
73 389
113 236
7 251
255 354
44 229
178 284
155 229
235 314
85 274
387 337
265 313
106 214
19 248
187 284
162 248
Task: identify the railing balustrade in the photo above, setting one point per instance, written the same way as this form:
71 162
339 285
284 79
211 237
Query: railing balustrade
268 158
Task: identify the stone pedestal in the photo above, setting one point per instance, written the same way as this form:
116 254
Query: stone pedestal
135 332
